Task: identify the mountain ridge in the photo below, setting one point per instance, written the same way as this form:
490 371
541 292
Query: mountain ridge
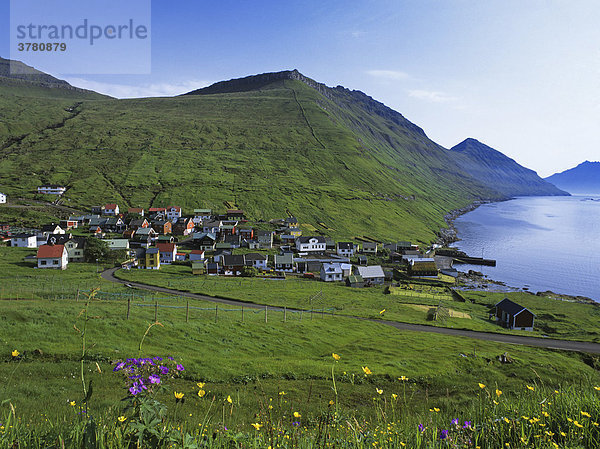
584 178
494 168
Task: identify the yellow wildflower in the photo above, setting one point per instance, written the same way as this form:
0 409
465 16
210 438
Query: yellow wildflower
434 410
586 414
201 393
394 396
577 424
121 418
331 402
403 378
256 425
482 386
545 413
282 393
595 423
15 353
597 388
379 391
498 392
229 399
178 395
72 403
381 312
297 415
507 420
563 434
366 370
529 387
201 385
335 356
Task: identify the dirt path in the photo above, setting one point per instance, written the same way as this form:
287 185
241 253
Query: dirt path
548 343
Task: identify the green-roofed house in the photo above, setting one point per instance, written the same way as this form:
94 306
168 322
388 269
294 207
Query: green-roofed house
355 281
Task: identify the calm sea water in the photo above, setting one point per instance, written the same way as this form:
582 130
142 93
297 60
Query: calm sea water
543 243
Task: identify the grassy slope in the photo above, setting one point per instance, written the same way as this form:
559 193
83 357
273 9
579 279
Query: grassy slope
286 146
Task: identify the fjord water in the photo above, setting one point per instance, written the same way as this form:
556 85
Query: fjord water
543 243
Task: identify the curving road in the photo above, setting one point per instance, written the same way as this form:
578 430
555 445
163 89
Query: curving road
548 343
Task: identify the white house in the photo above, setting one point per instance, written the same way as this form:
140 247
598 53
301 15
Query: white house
168 252
345 249
2 198
258 261
52 256
173 213
24 241
311 244
197 255
372 274
331 272
111 209
201 215
369 248
212 227
284 262
52 189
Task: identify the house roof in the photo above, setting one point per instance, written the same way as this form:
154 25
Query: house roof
197 251
138 222
58 239
204 235
370 245
202 211
110 206
160 222
166 247
50 251
152 251
50 227
345 245
23 236
212 224
355 278
255 256
144 231
332 268
135 210
234 259
177 208
306 239
287 258
157 209
372 271
511 308
235 211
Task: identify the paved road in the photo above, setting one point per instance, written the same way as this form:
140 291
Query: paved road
549 343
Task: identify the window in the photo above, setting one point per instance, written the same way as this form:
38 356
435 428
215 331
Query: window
42 262
55 262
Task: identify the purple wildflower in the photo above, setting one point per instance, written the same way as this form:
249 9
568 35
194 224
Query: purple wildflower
421 428
454 422
119 366
135 389
443 434
154 379
296 423
170 358
180 367
467 425
164 370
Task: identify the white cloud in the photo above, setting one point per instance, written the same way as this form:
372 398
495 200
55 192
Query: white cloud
431 96
358 34
138 91
394 75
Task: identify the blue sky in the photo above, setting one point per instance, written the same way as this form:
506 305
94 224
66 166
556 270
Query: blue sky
522 77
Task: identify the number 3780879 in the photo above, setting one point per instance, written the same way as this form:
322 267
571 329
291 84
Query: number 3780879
35 46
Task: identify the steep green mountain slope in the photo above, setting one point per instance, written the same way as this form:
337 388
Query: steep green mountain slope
500 172
280 142
585 178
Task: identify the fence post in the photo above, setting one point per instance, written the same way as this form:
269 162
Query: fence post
187 311
242 314
128 306
216 313
284 314
266 312
156 311
300 314
77 297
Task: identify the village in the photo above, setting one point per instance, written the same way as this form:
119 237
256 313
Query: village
229 244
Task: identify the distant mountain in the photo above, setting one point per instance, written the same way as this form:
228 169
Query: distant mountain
23 80
500 172
585 178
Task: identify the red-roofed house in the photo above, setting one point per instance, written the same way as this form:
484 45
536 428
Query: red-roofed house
52 256
196 254
111 209
136 210
168 252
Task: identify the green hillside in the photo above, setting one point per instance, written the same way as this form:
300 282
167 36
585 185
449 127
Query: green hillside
274 142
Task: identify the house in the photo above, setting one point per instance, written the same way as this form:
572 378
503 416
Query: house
331 272
52 229
95 230
265 239
369 248
196 254
212 268
345 249
235 214
233 264
284 262
145 232
113 224
218 255
157 213
151 259
422 267
97 210
346 269
223 245
70 223
256 260
168 252
201 215
329 244
246 233
117 244
141 223
51 189
513 316
75 247
363 260
173 213
180 257
400 247
212 226
52 256
291 222
371 275
184 226
24 241
287 239
312 263
111 209
162 227
307 245
135 211
198 267
229 227
205 241
295 232
2 198
234 240
355 281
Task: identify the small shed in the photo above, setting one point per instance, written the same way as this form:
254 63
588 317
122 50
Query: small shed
355 281
514 316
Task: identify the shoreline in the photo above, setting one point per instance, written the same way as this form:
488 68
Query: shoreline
475 281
